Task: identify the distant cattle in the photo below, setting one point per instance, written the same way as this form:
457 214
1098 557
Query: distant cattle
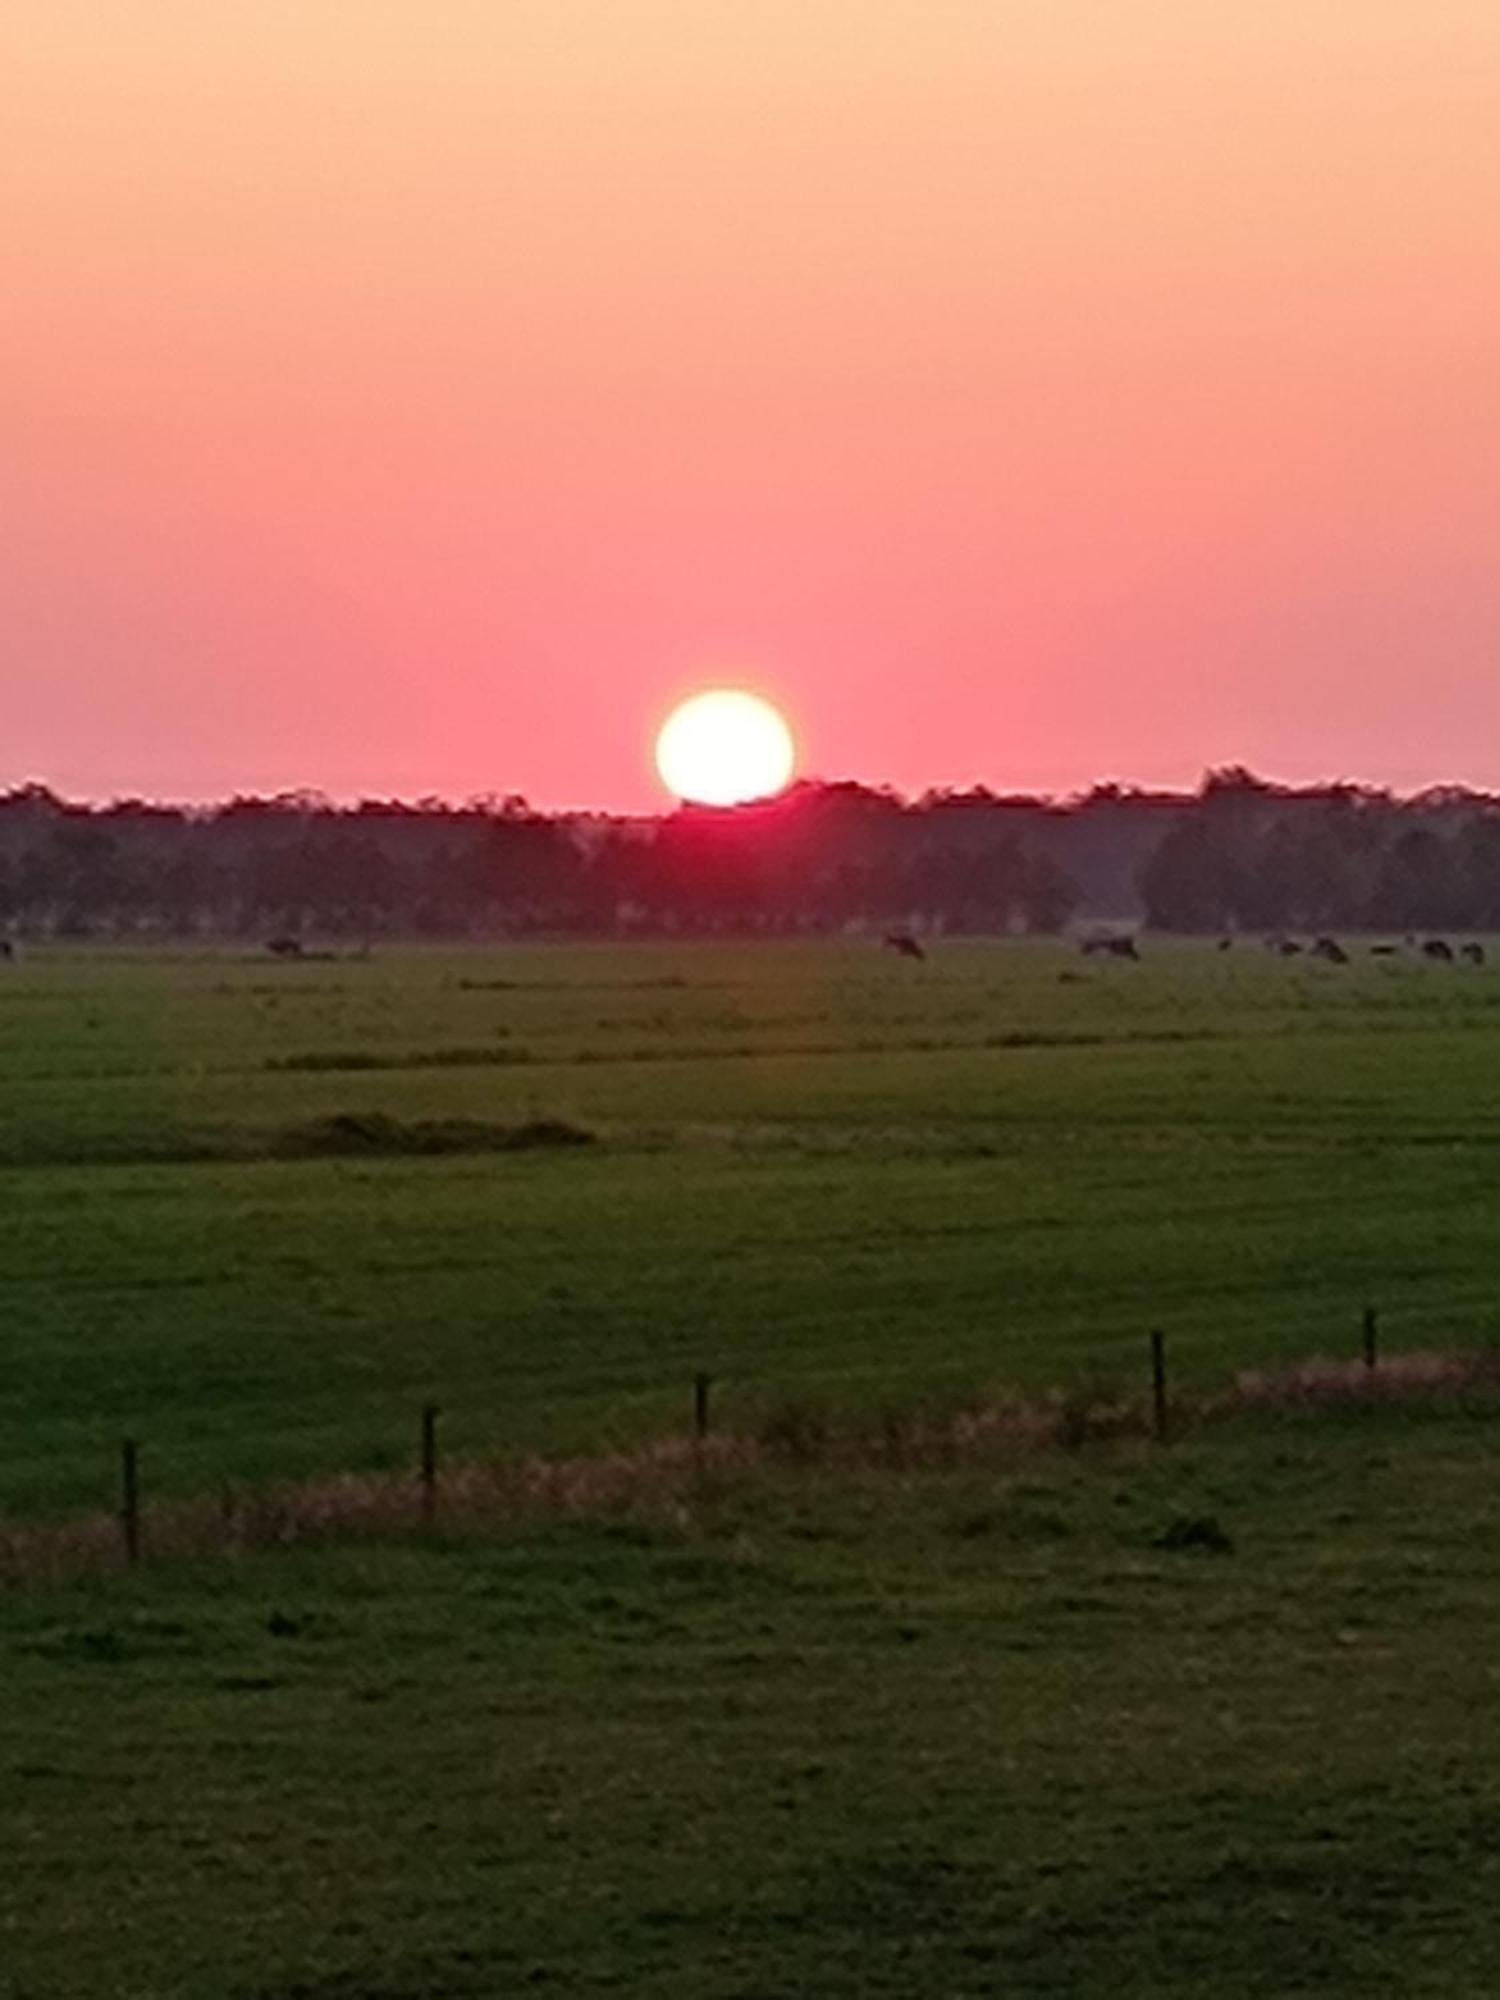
1330 951
285 947
903 944
7 951
1474 953
1226 944
1439 950
1384 950
1110 947
1286 948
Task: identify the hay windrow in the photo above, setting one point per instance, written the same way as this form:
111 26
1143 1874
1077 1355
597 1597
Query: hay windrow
333 1062
374 1134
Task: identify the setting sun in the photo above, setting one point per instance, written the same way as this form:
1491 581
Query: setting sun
724 747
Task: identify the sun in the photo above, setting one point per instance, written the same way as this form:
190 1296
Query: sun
724 747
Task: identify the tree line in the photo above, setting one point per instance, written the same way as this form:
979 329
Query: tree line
1253 856
819 858
1240 854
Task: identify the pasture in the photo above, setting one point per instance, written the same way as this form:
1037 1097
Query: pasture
818 1172
1111 1720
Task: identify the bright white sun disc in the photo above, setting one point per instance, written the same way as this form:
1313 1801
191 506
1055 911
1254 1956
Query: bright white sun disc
723 747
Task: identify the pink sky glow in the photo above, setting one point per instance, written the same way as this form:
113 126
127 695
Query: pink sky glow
421 395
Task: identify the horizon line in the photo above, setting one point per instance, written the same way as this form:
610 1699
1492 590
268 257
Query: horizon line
313 798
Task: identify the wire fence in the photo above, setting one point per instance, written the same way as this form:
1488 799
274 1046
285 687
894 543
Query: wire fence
673 1471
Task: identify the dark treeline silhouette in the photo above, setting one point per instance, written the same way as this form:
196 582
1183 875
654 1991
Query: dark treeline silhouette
822 857
1250 855
1241 854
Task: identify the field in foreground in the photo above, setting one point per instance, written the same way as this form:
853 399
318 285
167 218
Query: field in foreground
1217 1720
816 1172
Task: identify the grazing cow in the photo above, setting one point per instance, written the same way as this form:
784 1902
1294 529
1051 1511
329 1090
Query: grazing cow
1439 950
1331 951
1112 947
1226 944
903 944
1474 953
284 947
1288 948
7 950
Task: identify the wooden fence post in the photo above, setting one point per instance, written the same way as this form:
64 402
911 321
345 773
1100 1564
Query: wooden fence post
701 1385
429 1462
1159 1386
130 1500
1371 1336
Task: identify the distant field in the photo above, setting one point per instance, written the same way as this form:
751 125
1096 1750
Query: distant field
818 1172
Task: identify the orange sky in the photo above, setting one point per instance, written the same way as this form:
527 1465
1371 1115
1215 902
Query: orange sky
418 395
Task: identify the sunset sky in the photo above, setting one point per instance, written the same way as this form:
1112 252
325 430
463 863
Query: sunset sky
404 396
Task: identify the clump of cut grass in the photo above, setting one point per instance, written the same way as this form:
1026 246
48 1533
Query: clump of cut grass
536 1133
333 1062
1194 1534
355 1134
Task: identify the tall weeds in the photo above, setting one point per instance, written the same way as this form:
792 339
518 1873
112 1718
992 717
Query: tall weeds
668 1481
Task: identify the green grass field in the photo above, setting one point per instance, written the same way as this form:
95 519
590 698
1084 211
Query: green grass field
820 1174
952 1730
955 1733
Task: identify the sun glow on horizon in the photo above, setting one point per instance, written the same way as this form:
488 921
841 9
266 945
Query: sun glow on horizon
725 747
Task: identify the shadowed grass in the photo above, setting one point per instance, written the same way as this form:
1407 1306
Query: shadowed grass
1114 1723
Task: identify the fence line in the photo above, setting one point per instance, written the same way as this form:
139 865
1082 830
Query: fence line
674 1467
